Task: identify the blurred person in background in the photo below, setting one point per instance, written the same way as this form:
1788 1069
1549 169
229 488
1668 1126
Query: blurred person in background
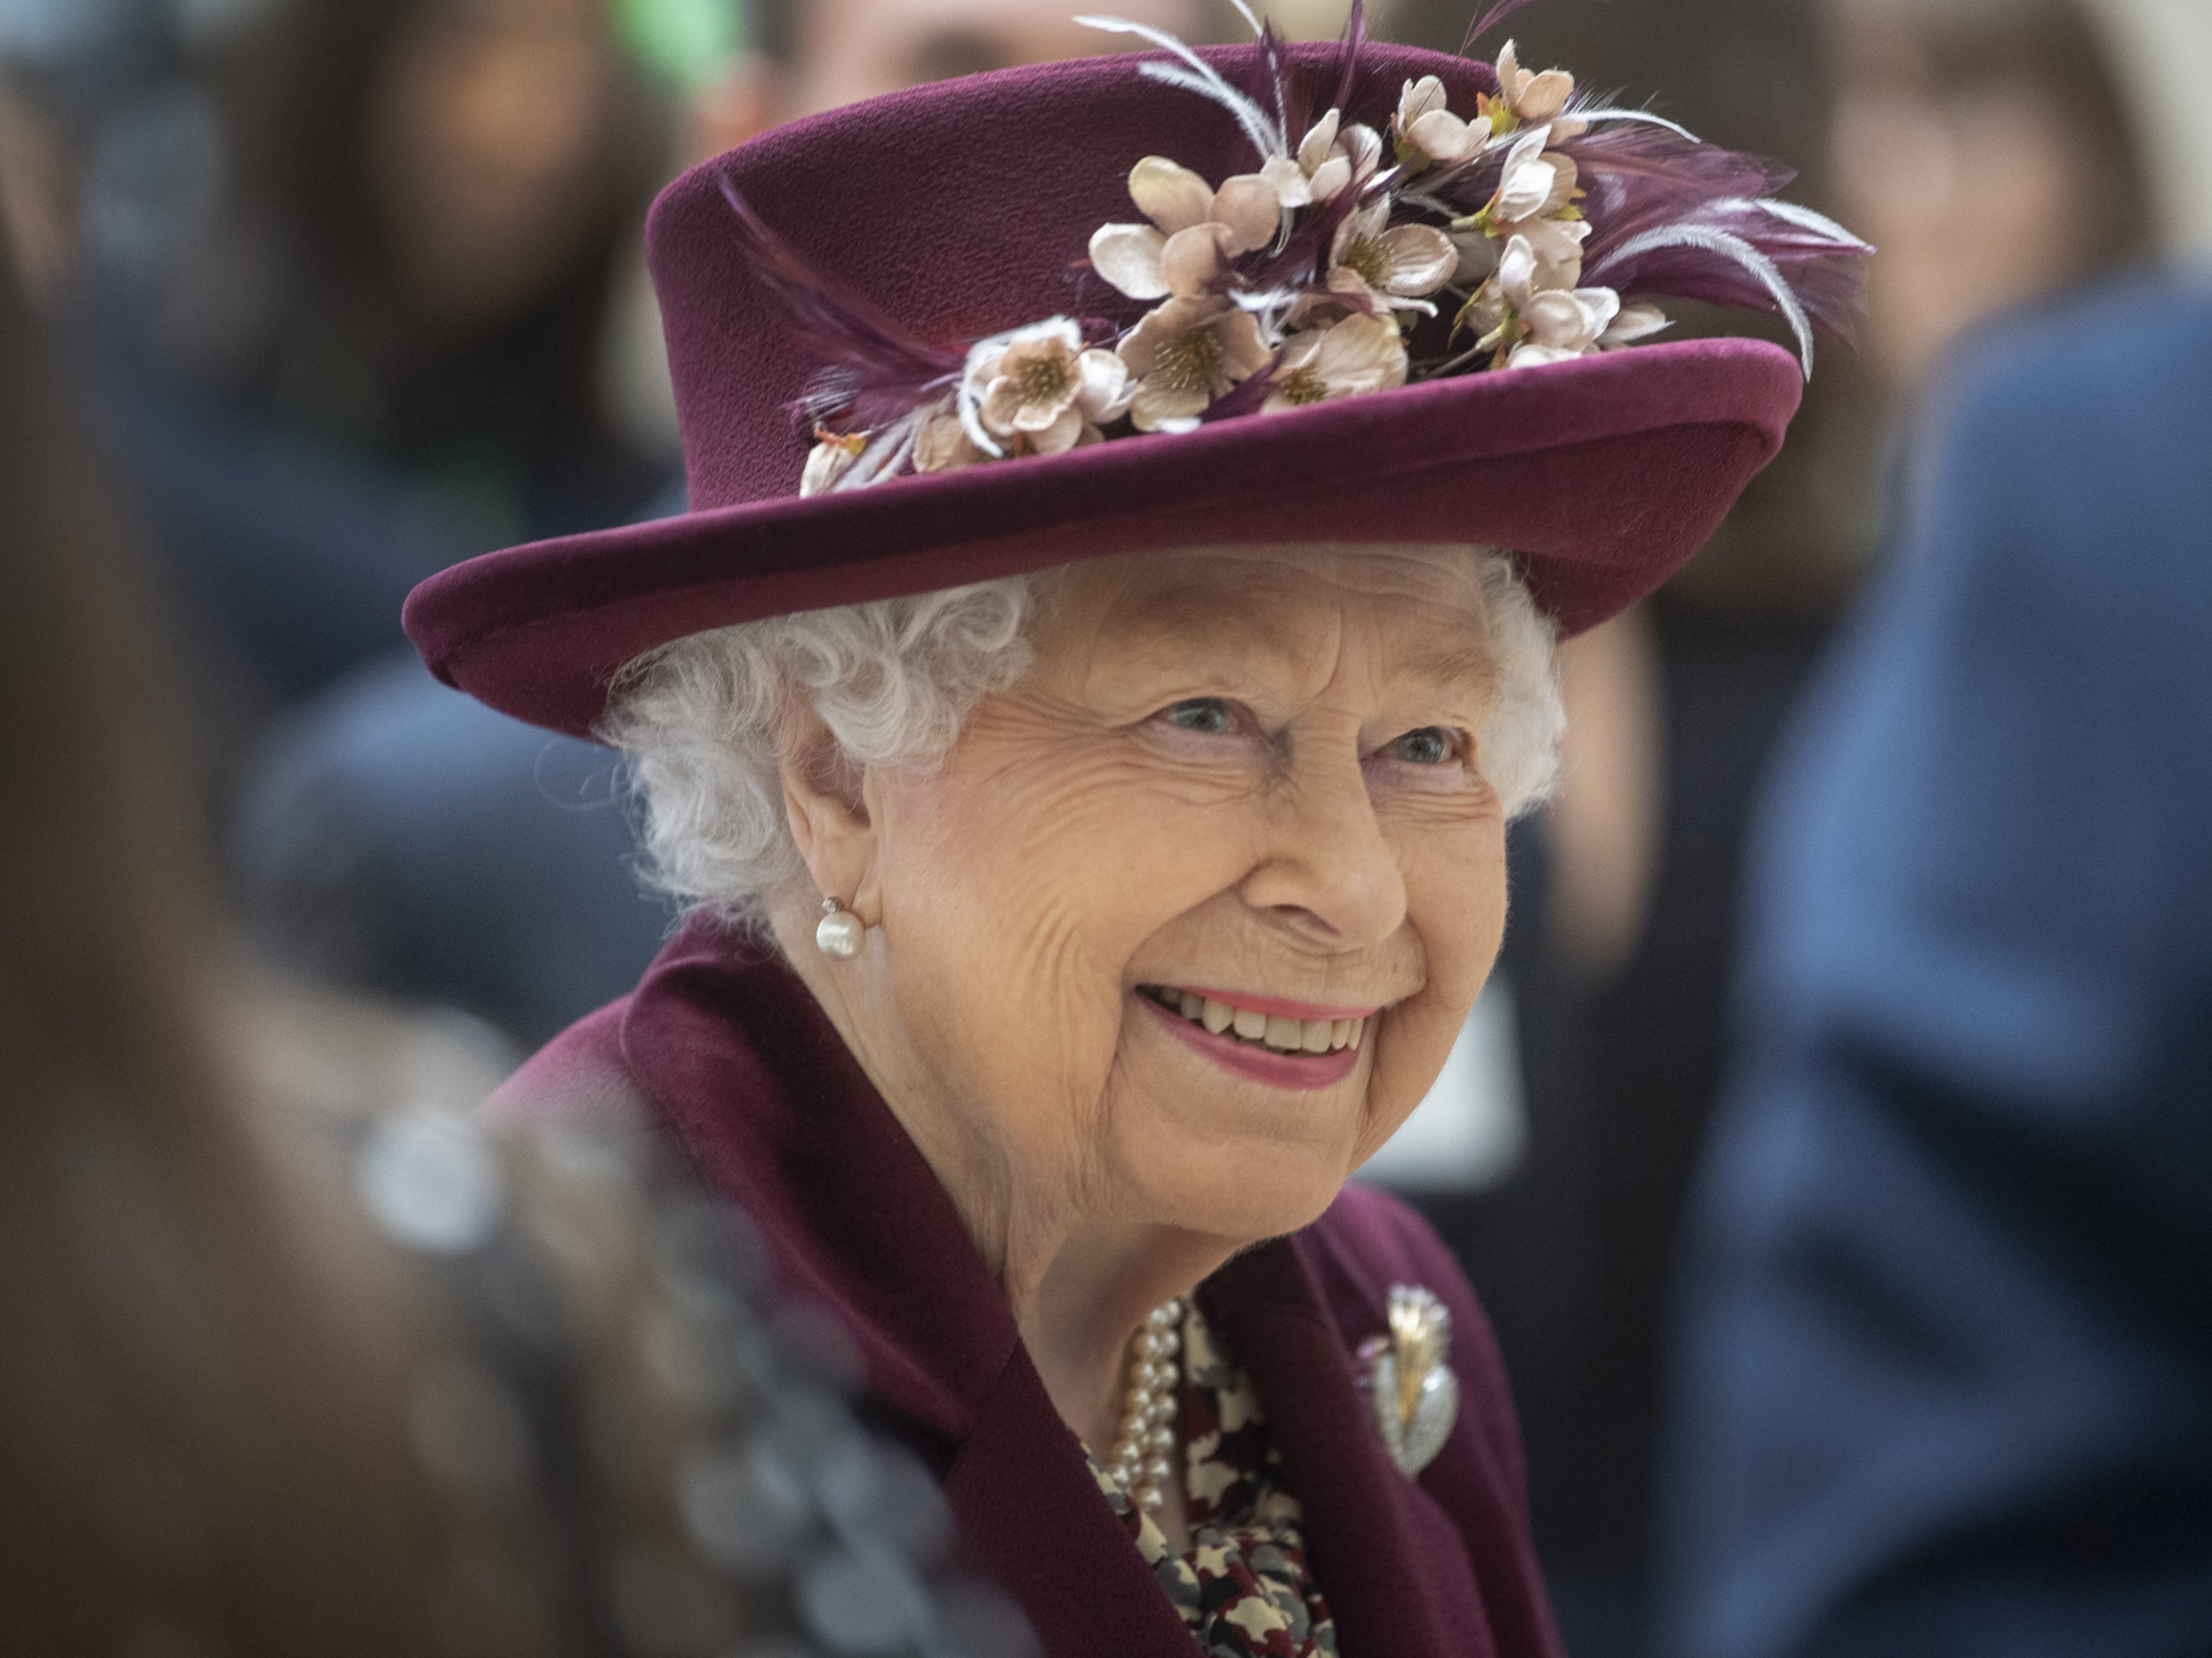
339 275
1944 1380
293 1360
337 272
1940 140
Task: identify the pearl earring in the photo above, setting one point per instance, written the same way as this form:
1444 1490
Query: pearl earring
839 933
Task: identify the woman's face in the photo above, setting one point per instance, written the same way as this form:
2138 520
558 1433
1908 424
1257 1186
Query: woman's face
1977 195
490 140
1245 777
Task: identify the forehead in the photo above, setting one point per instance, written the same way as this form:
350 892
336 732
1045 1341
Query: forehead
1412 608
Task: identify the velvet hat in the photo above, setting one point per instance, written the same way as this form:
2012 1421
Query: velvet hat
925 341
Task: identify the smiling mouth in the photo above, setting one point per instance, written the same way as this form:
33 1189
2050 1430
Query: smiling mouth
1271 1033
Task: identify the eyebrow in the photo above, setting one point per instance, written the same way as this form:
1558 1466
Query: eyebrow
1453 664
1170 628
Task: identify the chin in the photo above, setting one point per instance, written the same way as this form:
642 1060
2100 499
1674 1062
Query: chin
1231 1155
1242 1187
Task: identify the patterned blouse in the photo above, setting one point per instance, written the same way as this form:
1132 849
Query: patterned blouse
1244 1588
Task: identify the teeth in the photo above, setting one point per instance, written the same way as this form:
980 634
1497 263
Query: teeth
1283 1036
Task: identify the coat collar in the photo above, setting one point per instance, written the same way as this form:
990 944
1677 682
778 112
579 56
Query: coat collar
767 1101
779 1116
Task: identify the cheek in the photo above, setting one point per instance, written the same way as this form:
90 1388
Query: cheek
1016 886
1455 906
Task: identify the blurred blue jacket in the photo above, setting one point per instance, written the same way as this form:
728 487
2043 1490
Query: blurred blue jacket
1945 1365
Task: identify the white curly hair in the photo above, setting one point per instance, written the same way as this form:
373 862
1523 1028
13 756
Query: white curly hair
698 720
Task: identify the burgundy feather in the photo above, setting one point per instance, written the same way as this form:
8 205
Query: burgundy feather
1278 78
1636 176
1246 396
1308 247
1827 277
1489 21
1347 67
1639 178
873 368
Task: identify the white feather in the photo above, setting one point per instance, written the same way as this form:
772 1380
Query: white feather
886 452
1259 130
971 405
1199 77
1729 246
1416 199
1642 115
1789 213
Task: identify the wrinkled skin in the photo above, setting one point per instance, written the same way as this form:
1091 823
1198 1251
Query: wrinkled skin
1251 770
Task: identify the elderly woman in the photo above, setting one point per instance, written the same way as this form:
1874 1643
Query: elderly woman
1086 738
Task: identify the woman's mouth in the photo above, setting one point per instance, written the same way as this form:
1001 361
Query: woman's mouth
1284 1044
1268 1025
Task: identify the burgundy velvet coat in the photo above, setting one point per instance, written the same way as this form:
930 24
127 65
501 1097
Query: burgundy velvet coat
730 1051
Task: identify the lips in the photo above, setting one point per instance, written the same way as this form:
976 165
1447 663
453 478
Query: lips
1265 1023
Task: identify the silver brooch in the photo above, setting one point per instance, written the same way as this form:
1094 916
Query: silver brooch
1414 1392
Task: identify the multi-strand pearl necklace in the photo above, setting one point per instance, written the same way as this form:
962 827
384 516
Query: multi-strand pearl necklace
1143 1458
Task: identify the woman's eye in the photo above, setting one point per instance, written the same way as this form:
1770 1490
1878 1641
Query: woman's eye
1432 745
1208 716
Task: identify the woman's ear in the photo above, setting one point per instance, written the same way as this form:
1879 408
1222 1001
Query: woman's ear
829 820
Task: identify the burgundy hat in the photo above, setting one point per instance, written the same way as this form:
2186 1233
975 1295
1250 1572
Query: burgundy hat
853 301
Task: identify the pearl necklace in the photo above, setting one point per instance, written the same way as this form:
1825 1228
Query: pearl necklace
1141 1465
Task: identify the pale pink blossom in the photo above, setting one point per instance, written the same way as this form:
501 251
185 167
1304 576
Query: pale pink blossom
1376 265
1564 324
1535 260
1554 249
1551 318
943 445
1186 353
1533 98
1331 156
1037 391
830 459
1349 358
1534 183
1635 323
1425 127
1194 230
1568 319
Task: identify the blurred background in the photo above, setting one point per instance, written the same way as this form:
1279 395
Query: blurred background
344 291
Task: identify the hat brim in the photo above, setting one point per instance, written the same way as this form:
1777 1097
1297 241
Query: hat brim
1601 475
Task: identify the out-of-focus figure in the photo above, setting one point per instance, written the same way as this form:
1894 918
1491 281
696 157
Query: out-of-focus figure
338 272
1947 1384
1944 1376
292 1359
1943 143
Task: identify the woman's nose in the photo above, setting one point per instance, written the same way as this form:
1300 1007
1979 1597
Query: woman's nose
1326 866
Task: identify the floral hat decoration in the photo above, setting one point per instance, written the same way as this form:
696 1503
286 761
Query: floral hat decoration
1342 292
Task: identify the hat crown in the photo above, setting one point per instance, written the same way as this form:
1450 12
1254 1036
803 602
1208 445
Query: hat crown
961 208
